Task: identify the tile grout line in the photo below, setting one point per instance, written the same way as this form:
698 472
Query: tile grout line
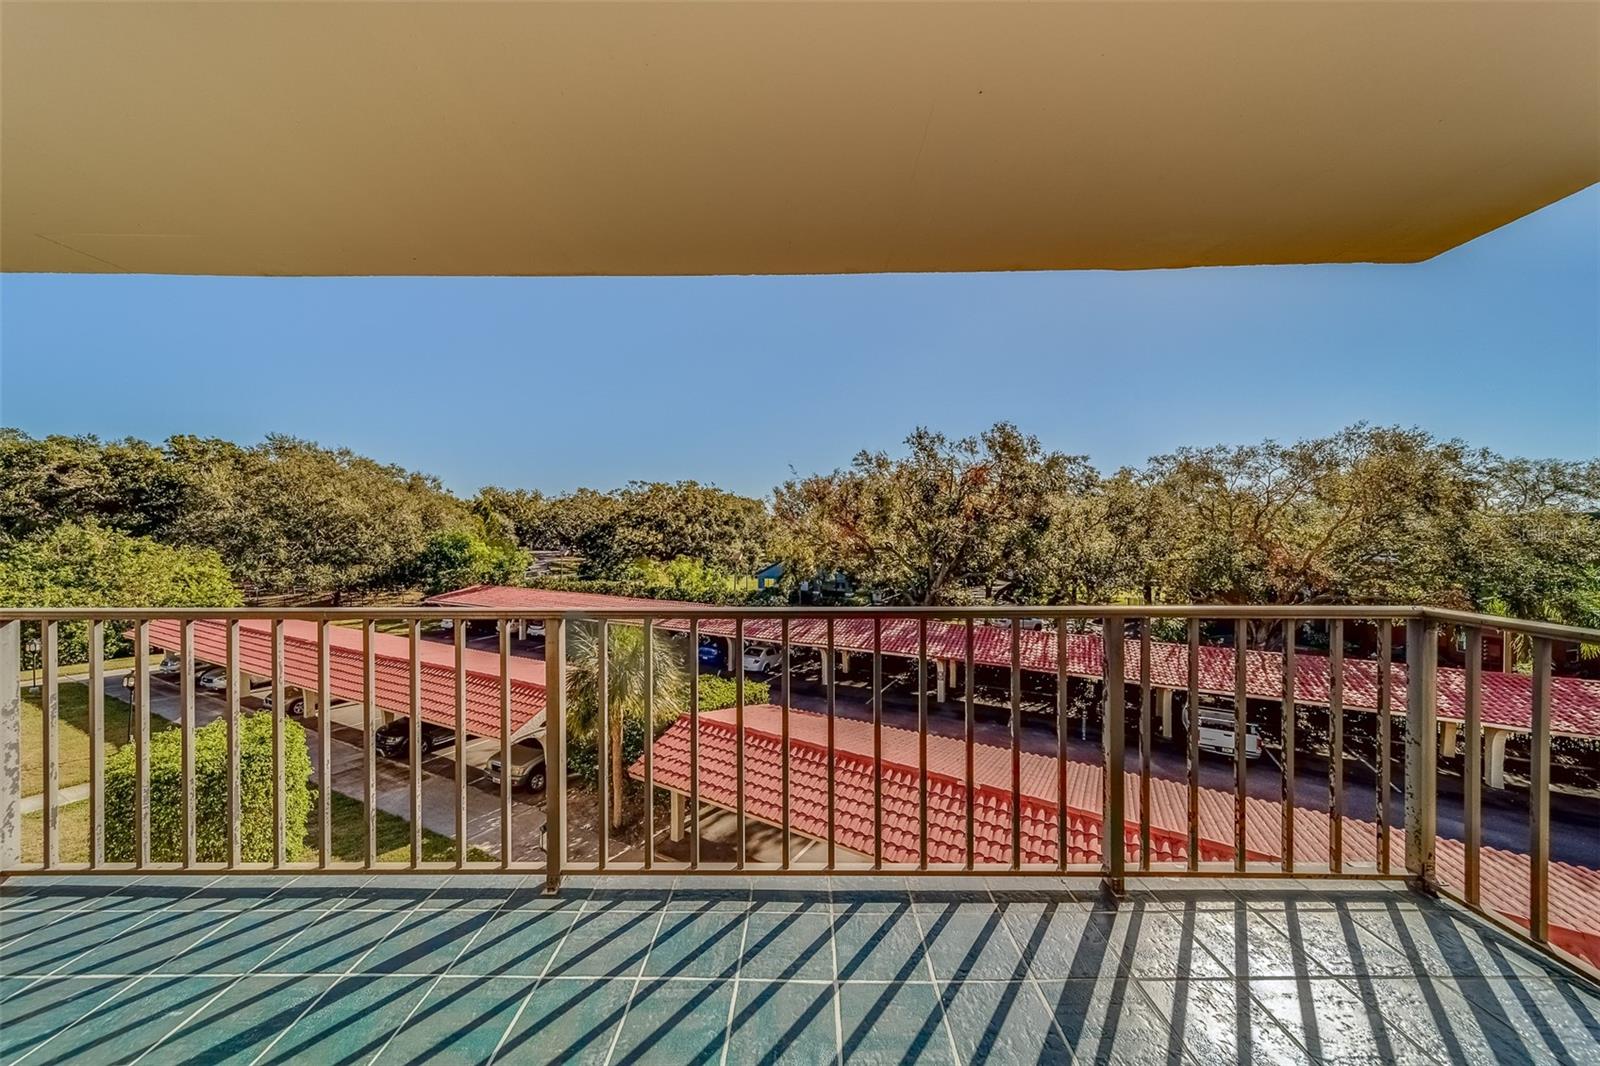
738 969
274 953
441 975
833 948
638 977
927 958
318 998
544 974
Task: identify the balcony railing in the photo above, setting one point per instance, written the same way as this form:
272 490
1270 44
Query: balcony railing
848 790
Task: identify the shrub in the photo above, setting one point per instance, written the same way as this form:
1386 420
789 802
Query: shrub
717 692
211 793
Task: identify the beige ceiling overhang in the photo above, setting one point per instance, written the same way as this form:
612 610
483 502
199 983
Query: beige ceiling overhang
666 137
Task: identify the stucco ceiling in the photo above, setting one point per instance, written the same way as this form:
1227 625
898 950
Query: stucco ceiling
667 137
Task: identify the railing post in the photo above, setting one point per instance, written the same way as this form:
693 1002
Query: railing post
1113 831
10 745
1422 755
555 750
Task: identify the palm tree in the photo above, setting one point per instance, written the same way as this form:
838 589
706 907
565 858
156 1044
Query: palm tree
625 680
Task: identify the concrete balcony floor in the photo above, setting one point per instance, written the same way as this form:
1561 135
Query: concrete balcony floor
389 969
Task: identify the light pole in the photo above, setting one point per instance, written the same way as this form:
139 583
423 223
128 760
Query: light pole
33 650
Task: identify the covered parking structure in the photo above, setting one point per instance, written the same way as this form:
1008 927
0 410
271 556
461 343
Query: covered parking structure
1507 698
391 671
1043 789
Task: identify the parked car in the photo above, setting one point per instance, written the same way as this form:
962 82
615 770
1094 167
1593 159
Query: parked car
393 741
171 666
527 765
214 680
535 629
1217 733
762 658
712 656
296 707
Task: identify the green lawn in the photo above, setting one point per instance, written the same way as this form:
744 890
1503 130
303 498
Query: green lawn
123 663
394 837
349 840
73 736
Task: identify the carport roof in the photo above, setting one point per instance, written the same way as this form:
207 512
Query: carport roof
1507 698
391 662
1504 875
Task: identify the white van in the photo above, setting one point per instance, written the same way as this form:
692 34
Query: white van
1217 735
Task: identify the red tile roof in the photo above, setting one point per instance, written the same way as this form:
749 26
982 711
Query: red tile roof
1507 698
1574 891
391 670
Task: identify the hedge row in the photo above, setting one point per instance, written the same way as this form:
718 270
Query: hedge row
211 793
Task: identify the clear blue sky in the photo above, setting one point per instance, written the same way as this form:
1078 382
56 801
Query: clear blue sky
555 383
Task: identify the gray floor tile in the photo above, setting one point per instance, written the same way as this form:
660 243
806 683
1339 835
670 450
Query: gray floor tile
694 944
675 1021
891 1023
797 945
122 1029
459 1022
783 1022
351 1021
568 1022
239 1024
606 944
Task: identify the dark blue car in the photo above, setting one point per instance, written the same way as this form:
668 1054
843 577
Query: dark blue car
712 655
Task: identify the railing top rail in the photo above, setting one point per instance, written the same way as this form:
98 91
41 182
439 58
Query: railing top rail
675 610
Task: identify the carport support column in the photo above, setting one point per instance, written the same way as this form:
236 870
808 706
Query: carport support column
1448 734
1164 711
1494 756
10 745
677 816
844 662
939 689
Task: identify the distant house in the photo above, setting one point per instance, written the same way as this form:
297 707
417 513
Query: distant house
769 576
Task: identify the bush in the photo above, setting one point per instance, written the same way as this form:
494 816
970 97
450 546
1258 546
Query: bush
211 793
718 692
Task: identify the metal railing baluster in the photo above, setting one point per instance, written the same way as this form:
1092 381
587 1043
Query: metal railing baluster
785 755
922 743
460 768
602 659
50 735
186 728
505 744
1016 742
324 747
1241 722
1191 748
1539 797
555 732
694 743
969 687
877 742
833 800
1144 744
1063 706
1422 750
141 743
736 651
1286 725
649 746
97 743
1114 835
235 784
1385 694
1472 776
414 739
280 833
1336 745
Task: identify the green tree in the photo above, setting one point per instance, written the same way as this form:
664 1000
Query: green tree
129 486
626 717
91 566
465 556
917 527
289 515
